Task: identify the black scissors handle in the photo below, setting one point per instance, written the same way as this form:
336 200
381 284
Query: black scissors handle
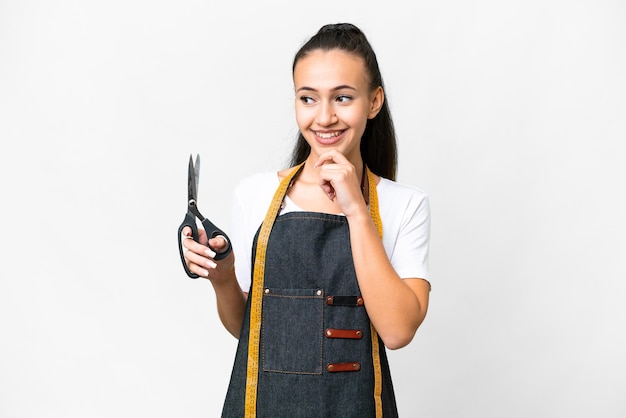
212 232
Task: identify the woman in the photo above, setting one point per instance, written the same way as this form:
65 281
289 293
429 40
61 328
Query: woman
336 269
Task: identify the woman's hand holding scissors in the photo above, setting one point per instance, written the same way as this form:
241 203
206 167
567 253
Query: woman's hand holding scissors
199 258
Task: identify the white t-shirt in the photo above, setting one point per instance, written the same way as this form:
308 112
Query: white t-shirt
404 212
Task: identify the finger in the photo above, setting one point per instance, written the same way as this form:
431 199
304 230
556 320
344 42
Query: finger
328 189
196 268
186 232
199 263
219 243
202 272
332 156
198 248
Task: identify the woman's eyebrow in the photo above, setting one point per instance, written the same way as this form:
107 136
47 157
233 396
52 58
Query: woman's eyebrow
341 87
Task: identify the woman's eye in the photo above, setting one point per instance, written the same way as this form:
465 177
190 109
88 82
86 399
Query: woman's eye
343 99
306 99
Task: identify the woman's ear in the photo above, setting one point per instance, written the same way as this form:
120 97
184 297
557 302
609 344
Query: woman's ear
378 98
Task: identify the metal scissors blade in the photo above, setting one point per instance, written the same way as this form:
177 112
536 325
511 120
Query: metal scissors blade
193 179
197 172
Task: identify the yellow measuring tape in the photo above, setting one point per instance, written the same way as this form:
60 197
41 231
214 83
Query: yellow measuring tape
378 380
252 372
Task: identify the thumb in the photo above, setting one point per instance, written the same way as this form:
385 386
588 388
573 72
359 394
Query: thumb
219 243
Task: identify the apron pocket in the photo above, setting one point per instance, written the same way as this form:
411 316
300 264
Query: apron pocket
292 330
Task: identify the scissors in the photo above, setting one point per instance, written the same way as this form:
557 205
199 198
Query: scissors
193 213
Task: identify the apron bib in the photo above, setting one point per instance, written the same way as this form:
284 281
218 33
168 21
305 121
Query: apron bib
307 347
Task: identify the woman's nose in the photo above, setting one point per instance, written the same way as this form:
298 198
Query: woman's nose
326 114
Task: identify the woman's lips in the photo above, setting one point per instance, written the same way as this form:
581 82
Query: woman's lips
328 138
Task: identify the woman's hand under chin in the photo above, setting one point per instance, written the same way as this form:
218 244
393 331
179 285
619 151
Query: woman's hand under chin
339 179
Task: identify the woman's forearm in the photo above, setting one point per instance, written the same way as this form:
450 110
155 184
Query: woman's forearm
395 306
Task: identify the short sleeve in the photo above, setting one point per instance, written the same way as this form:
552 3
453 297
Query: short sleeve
405 213
238 239
251 198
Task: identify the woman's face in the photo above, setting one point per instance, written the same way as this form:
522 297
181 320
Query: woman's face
333 101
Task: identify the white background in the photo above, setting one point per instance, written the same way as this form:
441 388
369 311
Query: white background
510 114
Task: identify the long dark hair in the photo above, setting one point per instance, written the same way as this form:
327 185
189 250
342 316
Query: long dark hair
378 143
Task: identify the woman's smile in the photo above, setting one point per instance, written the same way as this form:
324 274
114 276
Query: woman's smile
328 137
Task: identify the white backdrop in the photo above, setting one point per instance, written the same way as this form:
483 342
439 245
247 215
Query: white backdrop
511 115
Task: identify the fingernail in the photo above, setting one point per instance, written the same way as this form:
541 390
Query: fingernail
211 264
209 253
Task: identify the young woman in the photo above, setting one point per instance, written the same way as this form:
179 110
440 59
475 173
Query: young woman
332 253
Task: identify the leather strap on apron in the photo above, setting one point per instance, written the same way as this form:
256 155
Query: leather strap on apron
252 372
